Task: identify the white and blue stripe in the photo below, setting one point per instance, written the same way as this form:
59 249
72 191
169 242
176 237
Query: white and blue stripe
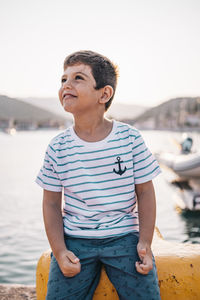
98 201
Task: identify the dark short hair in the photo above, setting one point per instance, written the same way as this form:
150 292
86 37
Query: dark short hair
103 70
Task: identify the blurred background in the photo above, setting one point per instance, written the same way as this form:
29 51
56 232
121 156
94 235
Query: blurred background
156 46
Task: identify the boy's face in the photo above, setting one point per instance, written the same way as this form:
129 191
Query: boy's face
77 93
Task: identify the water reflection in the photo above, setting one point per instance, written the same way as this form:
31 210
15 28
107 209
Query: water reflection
192 225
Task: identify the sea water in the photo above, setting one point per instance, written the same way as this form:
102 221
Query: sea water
22 234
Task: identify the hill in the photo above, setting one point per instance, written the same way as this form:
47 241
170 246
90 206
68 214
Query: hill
16 111
120 111
183 112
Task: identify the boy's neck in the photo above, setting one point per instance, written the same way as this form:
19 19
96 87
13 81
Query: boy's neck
92 130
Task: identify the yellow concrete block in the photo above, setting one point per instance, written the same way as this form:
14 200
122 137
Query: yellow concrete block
178 267
42 275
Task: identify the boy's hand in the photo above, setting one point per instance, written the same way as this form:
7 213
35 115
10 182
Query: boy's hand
146 263
68 263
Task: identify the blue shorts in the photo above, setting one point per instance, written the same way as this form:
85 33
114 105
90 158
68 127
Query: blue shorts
118 255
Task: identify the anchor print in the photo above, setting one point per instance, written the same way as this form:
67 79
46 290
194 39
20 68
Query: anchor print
120 171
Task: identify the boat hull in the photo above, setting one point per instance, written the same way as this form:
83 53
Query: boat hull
184 165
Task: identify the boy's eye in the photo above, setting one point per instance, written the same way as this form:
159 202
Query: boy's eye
63 80
78 77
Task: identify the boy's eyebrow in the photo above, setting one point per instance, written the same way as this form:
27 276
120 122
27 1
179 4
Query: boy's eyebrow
82 73
78 72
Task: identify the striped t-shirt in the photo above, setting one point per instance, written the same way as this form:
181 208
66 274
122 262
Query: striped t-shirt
98 180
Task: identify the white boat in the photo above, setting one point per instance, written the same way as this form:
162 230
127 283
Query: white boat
187 199
186 166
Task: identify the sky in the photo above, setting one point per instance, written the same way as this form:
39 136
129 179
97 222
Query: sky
156 45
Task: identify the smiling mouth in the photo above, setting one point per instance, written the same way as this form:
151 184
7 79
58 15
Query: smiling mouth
67 96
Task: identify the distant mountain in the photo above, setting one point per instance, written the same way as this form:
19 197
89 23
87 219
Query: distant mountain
20 111
117 110
50 104
122 111
175 113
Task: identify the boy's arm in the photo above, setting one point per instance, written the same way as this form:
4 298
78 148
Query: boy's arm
52 213
147 214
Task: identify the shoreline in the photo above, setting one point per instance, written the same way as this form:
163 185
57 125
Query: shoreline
17 292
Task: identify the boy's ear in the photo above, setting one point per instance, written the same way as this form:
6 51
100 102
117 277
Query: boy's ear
107 92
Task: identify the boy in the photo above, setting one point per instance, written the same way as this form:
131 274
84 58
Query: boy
104 168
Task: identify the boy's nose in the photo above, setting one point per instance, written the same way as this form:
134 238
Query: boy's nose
67 83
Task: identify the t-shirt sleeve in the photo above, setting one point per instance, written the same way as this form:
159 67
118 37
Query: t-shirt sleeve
145 165
48 178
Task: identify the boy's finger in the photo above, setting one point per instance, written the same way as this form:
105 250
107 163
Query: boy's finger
73 258
141 268
138 268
